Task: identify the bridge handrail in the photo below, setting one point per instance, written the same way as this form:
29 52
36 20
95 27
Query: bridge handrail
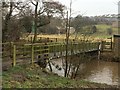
17 50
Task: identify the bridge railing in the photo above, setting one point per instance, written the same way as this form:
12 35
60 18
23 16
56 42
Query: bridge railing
28 53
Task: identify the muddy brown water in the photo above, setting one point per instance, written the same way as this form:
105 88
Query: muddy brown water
94 71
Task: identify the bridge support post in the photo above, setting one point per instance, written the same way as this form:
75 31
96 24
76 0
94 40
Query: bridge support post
99 50
102 45
117 45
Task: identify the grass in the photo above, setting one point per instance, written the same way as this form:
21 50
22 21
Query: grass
100 34
33 77
102 31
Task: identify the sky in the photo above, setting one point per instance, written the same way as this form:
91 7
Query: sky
92 7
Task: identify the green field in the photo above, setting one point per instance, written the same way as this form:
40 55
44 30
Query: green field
99 35
102 31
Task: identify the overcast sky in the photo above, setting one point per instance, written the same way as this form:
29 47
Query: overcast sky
92 7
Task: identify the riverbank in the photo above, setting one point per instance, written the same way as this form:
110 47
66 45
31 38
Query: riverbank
33 77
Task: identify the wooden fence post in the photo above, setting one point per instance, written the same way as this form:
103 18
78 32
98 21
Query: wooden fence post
40 38
11 48
46 56
32 56
48 39
89 47
56 39
102 45
61 50
14 55
111 43
54 50
31 39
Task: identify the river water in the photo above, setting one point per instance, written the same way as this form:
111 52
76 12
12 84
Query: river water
94 71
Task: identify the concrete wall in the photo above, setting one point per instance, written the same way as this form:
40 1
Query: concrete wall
117 45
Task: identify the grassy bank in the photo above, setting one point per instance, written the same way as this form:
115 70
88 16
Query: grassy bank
34 77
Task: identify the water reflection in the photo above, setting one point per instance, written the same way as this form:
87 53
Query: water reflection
104 72
93 71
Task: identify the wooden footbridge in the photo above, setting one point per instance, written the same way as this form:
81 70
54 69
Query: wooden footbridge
14 53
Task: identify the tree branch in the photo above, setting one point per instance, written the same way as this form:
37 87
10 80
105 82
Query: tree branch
33 3
41 12
43 24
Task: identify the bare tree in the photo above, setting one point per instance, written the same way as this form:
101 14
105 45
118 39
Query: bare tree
68 60
7 18
46 9
68 23
11 15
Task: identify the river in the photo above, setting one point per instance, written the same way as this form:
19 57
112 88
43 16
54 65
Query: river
94 71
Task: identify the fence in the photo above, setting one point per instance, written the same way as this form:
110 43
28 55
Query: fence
16 52
49 39
107 45
45 39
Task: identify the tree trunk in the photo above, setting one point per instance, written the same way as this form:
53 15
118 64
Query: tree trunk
7 19
35 25
67 38
66 57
